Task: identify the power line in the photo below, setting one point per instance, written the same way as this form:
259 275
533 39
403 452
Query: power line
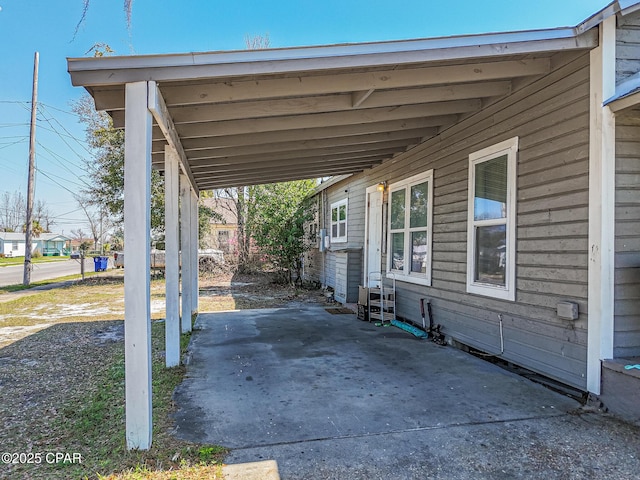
63 165
49 175
68 133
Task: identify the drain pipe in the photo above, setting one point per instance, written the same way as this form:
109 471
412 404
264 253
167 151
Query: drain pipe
501 335
501 342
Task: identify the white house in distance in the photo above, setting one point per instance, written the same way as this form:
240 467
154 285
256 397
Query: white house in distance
12 244
496 175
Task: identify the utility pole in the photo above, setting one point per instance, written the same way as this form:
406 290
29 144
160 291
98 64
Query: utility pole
32 174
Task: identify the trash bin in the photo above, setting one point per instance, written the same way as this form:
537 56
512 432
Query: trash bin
100 263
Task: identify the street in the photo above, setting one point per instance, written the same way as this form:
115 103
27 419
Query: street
43 271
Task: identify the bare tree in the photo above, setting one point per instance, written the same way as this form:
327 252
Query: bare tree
42 214
257 42
79 235
94 219
13 207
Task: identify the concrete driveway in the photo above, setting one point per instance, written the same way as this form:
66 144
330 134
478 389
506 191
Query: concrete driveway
331 397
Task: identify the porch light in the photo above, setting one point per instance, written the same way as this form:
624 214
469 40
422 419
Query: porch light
382 186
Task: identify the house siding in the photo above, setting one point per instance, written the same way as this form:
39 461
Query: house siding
627 240
551 118
628 46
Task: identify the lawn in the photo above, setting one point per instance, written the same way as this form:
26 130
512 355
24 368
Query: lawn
62 381
63 390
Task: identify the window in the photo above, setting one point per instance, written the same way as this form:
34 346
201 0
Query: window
14 246
339 221
491 235
410 229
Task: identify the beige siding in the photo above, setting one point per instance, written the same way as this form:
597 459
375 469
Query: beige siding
551 118
628 47
627 257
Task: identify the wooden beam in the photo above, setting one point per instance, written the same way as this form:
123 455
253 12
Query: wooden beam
200 147
202 144
159 110
361 84
312 165
359 116
137 295
307 106
280 177
357 98
300 155
266 138
233 91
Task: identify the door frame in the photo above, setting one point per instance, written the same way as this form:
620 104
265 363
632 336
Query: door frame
369 191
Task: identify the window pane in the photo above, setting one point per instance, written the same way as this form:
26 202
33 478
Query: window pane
334 214
342 229
418 211
397 251
334 230
419 252
490 200
343 212
397 209
491 254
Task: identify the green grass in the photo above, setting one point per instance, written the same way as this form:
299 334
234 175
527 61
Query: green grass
94 424
9 261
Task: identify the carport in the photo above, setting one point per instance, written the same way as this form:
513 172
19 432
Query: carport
218 119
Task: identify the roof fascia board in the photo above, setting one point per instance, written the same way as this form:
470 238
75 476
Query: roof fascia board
118 70
618 7
628 6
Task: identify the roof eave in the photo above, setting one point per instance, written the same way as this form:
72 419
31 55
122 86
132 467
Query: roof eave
176 67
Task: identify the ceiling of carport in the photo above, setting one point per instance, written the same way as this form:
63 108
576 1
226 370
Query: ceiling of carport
263 116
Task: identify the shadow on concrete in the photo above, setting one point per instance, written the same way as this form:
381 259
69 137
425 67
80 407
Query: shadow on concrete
329 396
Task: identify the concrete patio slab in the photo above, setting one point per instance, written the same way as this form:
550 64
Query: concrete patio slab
329 396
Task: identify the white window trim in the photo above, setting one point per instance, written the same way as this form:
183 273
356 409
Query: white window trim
404 276
508 292
338 204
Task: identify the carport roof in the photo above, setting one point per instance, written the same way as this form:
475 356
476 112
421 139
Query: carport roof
261 116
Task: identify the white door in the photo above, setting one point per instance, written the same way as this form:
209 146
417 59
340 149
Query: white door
374 233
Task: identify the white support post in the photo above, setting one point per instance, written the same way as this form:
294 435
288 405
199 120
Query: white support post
194 253
601 206
137 226
172 260
185 246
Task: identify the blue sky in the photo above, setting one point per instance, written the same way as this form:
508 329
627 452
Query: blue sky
170 26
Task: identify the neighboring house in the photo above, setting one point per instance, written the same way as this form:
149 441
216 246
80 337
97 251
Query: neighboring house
12 244
53 244
223 231
492 220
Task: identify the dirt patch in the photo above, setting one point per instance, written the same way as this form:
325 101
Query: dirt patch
240 292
